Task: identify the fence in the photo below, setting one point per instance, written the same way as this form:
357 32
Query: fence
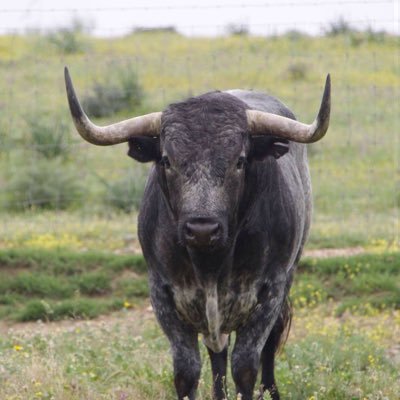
138 58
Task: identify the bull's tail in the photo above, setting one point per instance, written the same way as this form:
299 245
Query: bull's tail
283 325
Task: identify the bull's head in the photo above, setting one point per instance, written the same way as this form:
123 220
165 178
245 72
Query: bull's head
202 148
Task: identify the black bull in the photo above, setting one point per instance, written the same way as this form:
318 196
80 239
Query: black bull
223 221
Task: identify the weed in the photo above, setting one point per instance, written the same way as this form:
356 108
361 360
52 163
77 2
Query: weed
40 285
339 27
120 90
49 134
126 193
45 184
297 71
69 40
94 283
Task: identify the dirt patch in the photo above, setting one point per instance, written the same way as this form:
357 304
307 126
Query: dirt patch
132 316
326 253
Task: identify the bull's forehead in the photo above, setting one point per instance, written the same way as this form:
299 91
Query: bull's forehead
214 118
212 126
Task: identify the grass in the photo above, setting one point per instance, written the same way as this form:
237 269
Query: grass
55 284
342 344
52 285
127 357
359 150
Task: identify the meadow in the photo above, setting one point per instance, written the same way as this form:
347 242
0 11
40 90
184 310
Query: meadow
343 343
75 320
353 169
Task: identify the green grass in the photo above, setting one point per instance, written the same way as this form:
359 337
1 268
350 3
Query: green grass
127 357
52 285
56 284
356 201
342 343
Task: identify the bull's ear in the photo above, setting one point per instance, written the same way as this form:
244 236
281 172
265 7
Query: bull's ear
144 149
263 146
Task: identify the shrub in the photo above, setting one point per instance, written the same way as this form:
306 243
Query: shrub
95 283
237 29
123 91
135 287
46 184
125 194
69 40
297 71
35 310
48 135
33 284
339 27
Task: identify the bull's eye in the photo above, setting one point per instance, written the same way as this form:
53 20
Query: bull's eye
241 163
165 162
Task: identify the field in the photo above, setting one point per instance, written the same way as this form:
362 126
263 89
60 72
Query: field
353 168
343 345
75 320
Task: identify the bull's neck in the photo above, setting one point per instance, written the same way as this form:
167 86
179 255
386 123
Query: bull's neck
208 267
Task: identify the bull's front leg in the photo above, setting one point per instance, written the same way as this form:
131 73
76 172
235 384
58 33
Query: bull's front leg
252 336
183 340
218 366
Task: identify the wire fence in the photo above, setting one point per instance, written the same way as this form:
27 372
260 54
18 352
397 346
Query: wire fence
54 184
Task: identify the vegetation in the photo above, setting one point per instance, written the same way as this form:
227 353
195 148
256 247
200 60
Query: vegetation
120 91
326 357
152 69
55 284
62 200
42 184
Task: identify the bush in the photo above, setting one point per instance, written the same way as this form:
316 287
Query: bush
122 91
33 284
234 29
95 283
134 287
46 184
48 135
69 40
126 193
339 27
297 71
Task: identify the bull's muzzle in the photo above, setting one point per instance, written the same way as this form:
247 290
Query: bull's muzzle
203 233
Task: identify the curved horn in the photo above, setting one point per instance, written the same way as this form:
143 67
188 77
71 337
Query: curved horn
263 123
145 125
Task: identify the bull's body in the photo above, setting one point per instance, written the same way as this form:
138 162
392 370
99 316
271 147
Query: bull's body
244 290
223 222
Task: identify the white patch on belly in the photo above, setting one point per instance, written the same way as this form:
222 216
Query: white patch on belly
215 314
214 340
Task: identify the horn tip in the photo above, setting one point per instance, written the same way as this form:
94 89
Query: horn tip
328 82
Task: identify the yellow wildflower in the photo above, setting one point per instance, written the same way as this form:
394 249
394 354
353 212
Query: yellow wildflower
127 304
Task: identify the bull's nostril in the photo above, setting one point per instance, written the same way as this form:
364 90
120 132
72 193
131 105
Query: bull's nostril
215 231
189 232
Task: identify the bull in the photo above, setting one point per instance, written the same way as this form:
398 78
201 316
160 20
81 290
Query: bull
222 224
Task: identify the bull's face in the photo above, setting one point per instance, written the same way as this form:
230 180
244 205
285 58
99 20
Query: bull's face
204 150
204 156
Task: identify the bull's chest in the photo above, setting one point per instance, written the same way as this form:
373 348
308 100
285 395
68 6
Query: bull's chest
210 309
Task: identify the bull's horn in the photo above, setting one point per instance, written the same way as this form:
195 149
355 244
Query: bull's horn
263 123
145 125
